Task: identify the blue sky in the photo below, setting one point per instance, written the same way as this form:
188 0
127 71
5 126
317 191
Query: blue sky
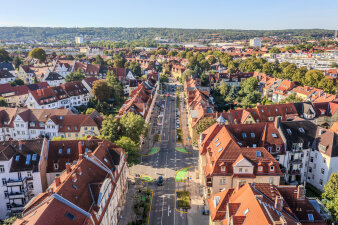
218 14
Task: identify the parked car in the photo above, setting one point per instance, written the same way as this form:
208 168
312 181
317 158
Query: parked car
205 211
159 181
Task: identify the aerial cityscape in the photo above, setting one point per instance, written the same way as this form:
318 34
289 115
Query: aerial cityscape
169 113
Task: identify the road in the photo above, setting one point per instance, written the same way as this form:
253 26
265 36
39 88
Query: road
165 163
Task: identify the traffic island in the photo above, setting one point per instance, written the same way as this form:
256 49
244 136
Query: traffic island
145 178
180 149
180 175
142 207
153 151
182 202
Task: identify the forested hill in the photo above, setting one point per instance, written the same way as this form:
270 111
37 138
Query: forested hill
127 34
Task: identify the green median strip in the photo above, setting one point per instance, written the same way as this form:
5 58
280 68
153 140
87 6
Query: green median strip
181 150
153 151
180 175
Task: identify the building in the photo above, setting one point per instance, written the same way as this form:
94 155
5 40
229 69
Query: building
22 174
230 156
66 96
256 42
54 79
6 76
91 190
78 40
263 204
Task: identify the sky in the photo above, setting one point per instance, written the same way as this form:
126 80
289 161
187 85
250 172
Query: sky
210 14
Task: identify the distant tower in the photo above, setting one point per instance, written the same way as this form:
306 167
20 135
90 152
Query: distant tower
336 36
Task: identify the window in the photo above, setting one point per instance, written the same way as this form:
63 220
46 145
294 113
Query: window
60 150
68 151
216 140
274 135
56 166
260 168
222 168
2 169
34 157
269 149
270 118
70 216
321 182
29 174
4 181
271 180
68 127
30 186
223 180
240 170
301 130
252 135
311 160
258 153
74 186
310 170
324 160
310 217
289 131
6 195
218 144
322 170
17 158
277 148
272 168
246 211
244 135
219 150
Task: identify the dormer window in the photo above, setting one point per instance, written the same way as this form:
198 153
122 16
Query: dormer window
277 148
260 168
274 135
223 168
244 135
270 118
60 150
252 135
258 153
56 166
68 151
68 127
272 168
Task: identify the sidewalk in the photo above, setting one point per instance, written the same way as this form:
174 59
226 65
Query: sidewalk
127 214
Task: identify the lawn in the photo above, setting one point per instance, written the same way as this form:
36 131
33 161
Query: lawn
181 150
183 199
180 175
154 151
145 178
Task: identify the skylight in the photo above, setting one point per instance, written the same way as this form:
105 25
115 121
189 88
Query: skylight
274 135
60 150
252 135
218 144
68 151
301 130
17 158
220 149
289 131
28 159
246 212
216 140
70 216
259 154
244 135
310 217
34 157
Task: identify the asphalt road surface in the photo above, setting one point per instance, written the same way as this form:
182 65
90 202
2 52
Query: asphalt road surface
165 163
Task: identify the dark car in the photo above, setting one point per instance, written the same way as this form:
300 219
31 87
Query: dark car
159 181
205 211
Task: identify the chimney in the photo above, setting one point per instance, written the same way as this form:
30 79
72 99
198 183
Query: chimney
79 148
300 192
279 203
79 171
68 169
57 181
277 121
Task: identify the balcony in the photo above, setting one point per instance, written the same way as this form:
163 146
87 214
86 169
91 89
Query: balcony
15 195
12 182
13 208
294 172
296 161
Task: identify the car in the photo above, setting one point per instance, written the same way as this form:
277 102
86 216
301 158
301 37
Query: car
205 211
159 181
168 95
177 126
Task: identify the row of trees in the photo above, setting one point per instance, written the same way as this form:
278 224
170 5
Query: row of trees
125 132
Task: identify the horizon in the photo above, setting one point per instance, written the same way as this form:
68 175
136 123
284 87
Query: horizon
218 14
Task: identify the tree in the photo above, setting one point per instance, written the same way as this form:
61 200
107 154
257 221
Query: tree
4 56
274 50
133 126
204 124
101 90
17 62
99 60
223 89
16 82
75 76
3 102
134 66
291 99
330 195
90 111
231 67
119 62
164 78
38 53
10 220
249 94
111 129
204 79
289 71
299 75
131 148
117 90
328 85
313 77
334 65
268 68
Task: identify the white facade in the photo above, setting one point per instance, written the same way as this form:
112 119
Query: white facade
78 40
256 42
